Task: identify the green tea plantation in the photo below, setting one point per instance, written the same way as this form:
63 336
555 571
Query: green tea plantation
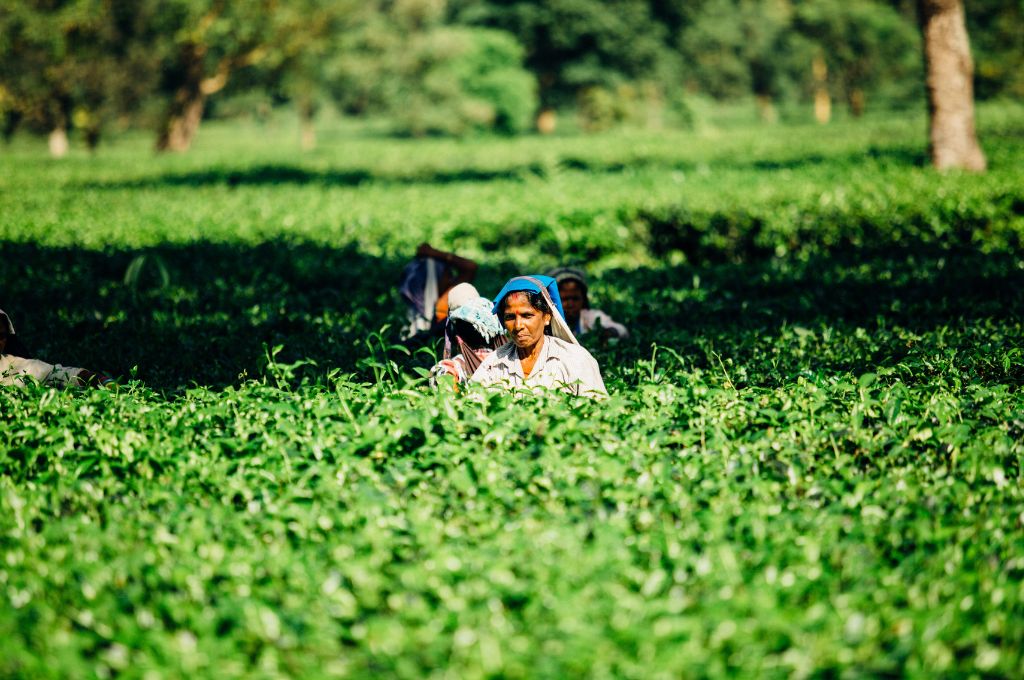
810 463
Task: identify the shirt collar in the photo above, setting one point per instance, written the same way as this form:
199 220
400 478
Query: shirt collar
507 354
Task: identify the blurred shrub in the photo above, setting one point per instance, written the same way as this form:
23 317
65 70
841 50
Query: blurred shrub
461 80
638 104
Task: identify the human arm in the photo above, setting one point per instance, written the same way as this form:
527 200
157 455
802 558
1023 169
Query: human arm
453 367
597 320
585 374
14 370
61 376
92 378
465 267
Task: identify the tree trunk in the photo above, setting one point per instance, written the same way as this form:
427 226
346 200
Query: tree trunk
92 137
58 141
181 122
766 109
822 100
857 102
10 124
307 130
547 121
950 71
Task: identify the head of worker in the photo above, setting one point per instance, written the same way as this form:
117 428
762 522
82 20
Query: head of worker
572 289
529 307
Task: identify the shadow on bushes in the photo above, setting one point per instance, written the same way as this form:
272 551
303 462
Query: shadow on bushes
275 174
264 175
207 318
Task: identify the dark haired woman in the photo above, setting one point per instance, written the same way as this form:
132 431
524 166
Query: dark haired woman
573 289
471 333
543 352
15 369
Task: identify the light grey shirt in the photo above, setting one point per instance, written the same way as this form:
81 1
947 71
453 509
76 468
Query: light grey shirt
561 365
591 319
14 370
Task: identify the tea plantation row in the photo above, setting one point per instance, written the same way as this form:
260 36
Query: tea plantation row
810 463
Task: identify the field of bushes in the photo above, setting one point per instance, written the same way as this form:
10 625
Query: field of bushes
810 463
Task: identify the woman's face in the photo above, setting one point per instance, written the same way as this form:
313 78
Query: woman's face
524 323
571 293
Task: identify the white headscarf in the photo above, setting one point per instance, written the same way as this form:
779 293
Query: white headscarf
7 321
460 295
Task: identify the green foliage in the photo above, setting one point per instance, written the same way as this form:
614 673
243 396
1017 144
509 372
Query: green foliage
94 65
456 80
868 47
642 105
734 47
995 30
810 462
62 65
575 44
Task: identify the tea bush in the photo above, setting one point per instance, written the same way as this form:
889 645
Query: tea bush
810 462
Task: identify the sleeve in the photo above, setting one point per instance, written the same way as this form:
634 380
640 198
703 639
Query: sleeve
602 320
61 376
16 369
452 367
590 383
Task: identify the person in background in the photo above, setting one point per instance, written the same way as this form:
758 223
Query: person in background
472 332
543 352
573 289
425 285
15 369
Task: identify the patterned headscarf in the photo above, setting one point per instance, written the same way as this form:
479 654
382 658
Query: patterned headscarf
478 314
6 321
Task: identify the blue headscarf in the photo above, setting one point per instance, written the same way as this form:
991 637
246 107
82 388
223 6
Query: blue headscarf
521 283
532 283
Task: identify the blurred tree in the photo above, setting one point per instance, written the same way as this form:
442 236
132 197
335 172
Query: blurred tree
364 69
303 37
572 45
864 46
429 77
446 66
196 46
457 80
59 67
953 141
996 28
732 48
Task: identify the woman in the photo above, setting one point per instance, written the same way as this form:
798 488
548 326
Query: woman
573 289
543 351
15 369
425 285
472 332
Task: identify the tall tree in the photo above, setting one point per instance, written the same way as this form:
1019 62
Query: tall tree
731 49
197 45
861 47
304 38
58 67
949 80
996 28
575 44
